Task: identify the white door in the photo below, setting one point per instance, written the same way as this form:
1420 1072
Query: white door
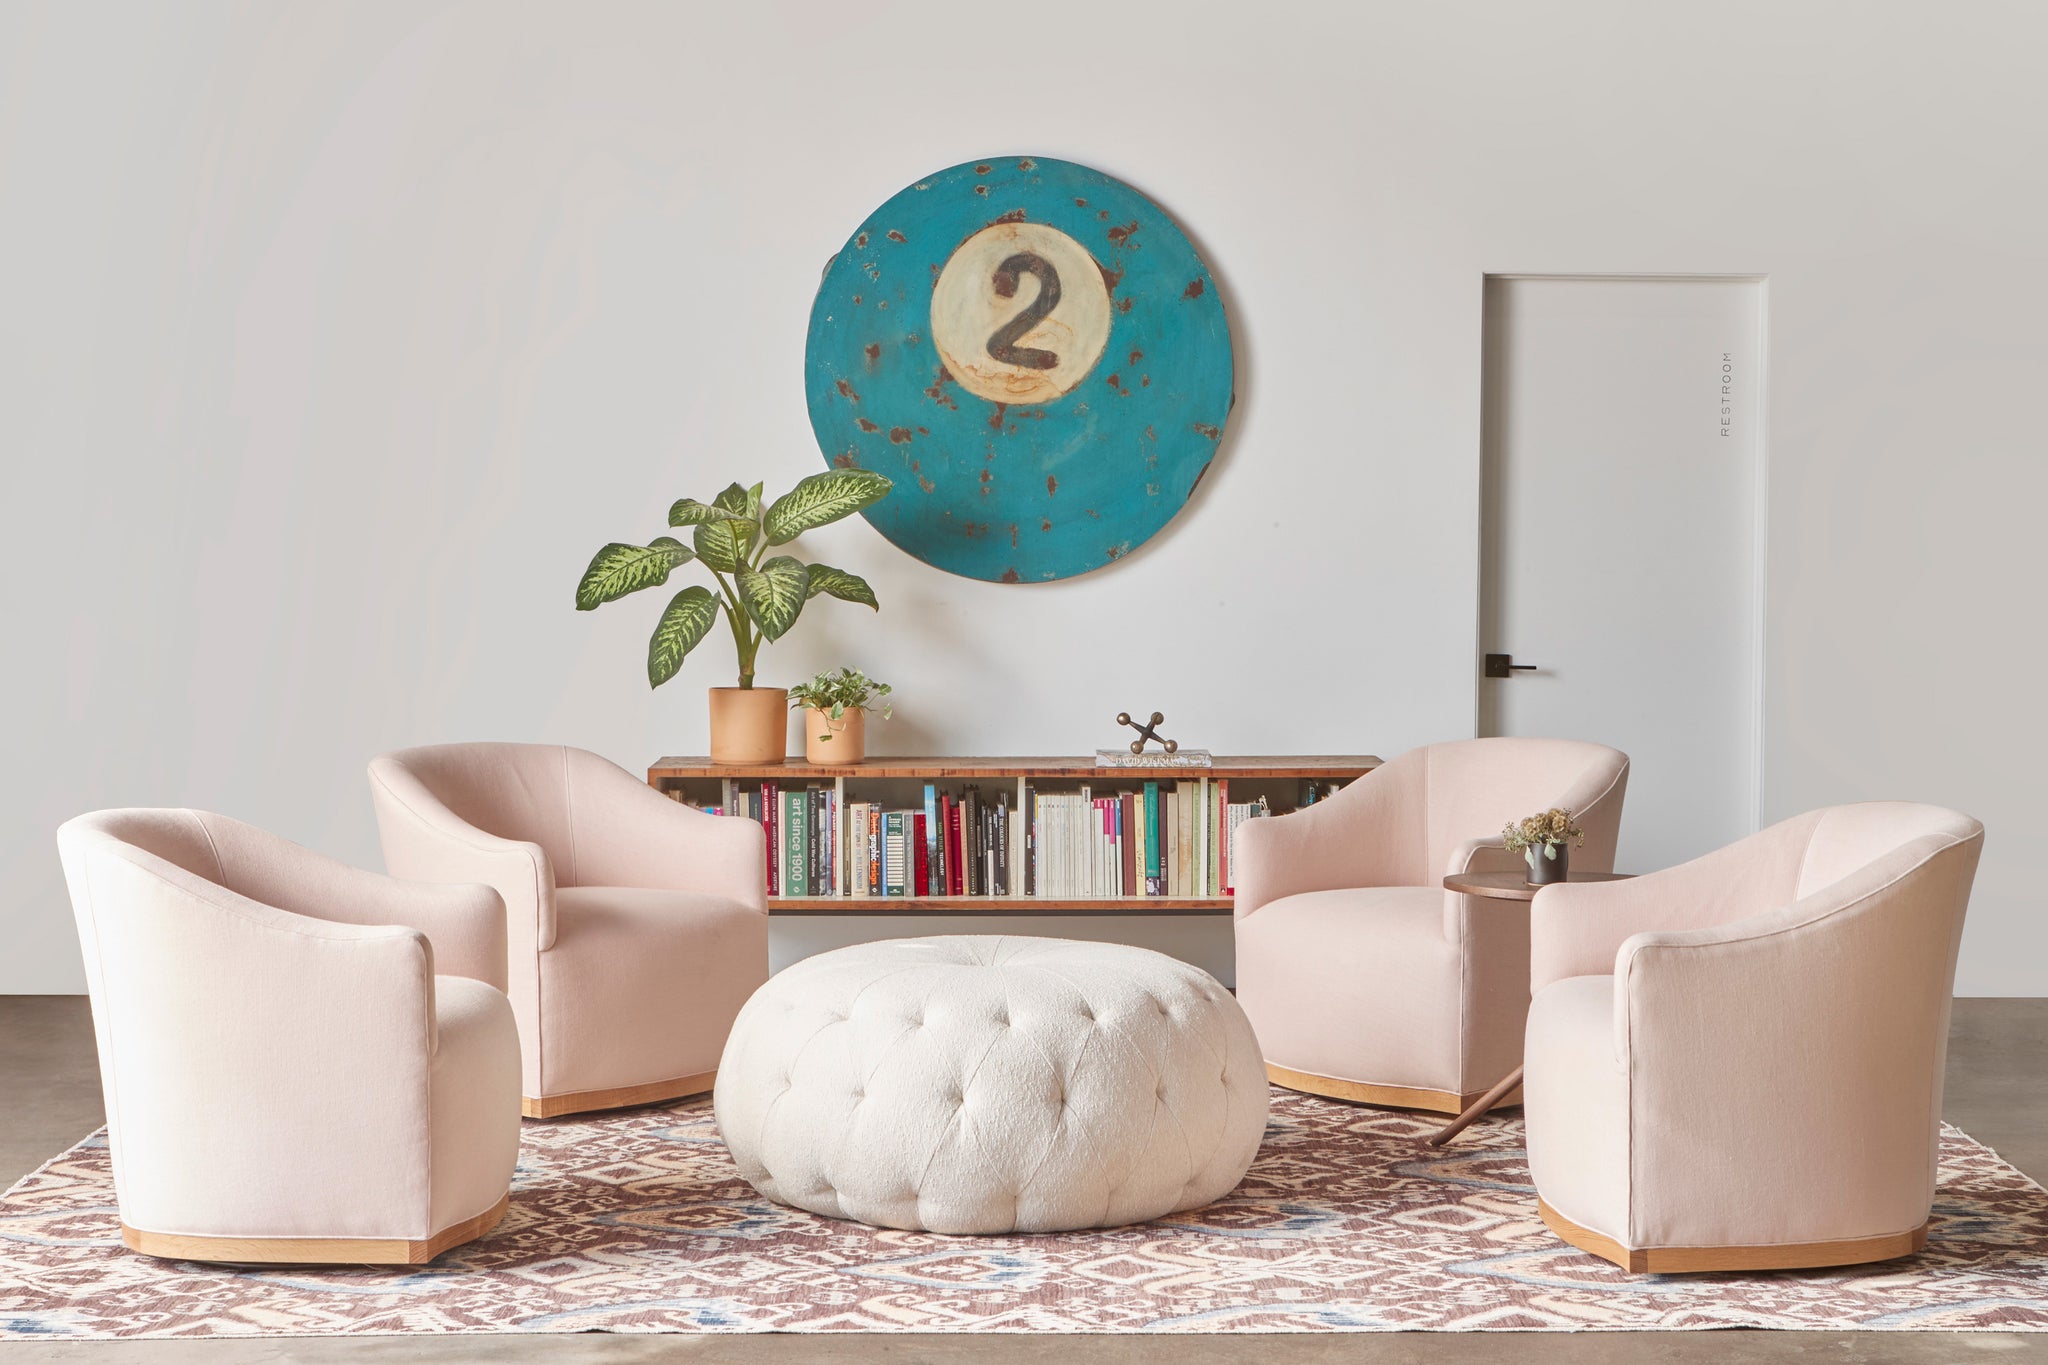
1620 539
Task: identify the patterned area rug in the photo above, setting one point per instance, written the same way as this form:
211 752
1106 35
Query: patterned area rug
638 1222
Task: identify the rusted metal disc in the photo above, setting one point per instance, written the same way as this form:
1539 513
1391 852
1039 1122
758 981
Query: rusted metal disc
1034 353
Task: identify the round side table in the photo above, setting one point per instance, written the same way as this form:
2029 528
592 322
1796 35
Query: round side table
1501 886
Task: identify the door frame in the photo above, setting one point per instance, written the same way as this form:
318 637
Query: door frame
1760 473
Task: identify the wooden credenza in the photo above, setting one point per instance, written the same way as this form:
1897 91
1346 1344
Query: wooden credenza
1282 780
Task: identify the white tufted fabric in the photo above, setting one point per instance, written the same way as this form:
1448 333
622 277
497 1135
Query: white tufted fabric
992 1085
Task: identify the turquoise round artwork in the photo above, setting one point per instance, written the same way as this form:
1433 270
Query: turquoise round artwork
1034 353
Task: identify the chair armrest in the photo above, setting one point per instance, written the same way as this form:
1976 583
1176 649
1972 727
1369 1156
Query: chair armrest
1365 835
464 921
629 834
1763 1038
1483 855
424 841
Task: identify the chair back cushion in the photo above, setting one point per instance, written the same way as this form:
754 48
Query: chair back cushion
1474 787
512 791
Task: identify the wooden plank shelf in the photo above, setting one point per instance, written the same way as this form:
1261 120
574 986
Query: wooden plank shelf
677 775
1315 767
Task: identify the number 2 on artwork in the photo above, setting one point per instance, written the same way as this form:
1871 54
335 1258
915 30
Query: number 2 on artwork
1002 343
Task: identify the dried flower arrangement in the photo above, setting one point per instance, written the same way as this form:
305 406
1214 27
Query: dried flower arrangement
1549 832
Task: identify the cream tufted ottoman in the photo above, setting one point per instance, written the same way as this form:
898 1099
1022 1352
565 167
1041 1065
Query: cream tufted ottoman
989 1085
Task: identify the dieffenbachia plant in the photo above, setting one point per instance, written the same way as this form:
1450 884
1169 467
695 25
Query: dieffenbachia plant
731 536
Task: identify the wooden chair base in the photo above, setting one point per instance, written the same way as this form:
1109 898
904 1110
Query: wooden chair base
311 1250
1385 1096
620 1097
1696 1260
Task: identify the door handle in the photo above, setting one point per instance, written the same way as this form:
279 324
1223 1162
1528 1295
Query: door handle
1504 665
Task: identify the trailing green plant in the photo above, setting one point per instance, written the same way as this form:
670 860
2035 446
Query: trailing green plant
761 596
840 691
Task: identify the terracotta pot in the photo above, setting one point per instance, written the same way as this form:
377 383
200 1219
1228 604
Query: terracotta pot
1547 871
749 724
835 742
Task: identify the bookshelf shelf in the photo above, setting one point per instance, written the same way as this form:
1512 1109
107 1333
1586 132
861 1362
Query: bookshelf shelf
698 779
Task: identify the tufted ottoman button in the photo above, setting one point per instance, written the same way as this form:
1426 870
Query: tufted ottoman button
1017 1017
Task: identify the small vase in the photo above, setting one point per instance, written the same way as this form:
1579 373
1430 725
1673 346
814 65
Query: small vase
749 725
1546 871
835 743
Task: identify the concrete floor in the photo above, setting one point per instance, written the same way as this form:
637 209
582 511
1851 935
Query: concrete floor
1998 1059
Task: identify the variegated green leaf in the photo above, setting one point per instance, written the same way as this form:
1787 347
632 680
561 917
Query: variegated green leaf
690 512
619 569
840 584
822 499
689 615
773 594
725 544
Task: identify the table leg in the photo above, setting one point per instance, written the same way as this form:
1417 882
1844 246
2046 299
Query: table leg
1479 1106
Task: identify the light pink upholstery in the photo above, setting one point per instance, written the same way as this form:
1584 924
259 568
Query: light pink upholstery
638 926
1747 1050
1355 964
278 1056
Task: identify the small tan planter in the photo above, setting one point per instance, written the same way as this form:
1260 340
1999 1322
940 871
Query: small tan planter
749 724
835 742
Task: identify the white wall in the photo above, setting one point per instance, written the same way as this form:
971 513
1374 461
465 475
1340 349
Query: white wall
334 338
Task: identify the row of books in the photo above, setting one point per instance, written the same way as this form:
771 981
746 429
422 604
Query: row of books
1169 839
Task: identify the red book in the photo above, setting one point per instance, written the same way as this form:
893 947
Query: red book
771 821
921 864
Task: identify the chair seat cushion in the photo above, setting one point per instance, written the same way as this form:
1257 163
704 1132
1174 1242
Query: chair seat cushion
992 1085
1575 1100
474 1132
1358 985
641 985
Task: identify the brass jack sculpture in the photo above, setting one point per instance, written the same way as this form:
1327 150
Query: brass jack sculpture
1147 732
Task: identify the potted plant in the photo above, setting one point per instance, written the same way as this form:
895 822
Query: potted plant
835 707
1544 841
761 596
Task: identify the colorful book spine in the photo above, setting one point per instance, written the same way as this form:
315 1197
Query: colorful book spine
894 846
1127 867
772 825
928 839
835 885
874 850
970 841
999 846
955 874
1033 877
1155 884
814 841
1223 836
795 844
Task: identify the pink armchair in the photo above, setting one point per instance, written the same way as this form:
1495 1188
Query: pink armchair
1736 1063
286 1076
1365 979
637 926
